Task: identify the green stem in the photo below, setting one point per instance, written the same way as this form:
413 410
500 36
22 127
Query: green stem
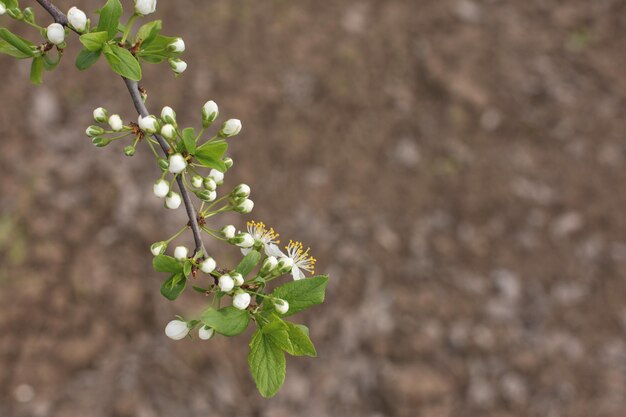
180 232
129 26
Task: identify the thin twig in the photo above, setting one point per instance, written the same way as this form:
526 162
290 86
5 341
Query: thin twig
133 89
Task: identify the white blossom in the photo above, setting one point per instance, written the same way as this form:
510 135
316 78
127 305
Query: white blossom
178 65
161 188
148 124
197 181
178 45
173 200
209 184
269 264
243 240
208 265
181 252
168 114
245 206
231 127
158 248
168 131
205 332
115 121
281 305
241 300
77 18
226 283
56 33
210 111
145 7
177 164
176 329
3 8
100 115
216 176
238 278
301 260
241 191
265 237
229 231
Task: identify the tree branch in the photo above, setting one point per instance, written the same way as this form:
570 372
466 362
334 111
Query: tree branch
135 95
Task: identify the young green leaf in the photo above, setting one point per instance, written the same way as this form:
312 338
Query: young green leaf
110 17
86 59
156 50
173 286
36 71
189 139
267 360
24 46
164 263
228 321
8 49
187 268
11 4
122 62
50 63
210 154
148 32
248 263
302 294
94 41
300 342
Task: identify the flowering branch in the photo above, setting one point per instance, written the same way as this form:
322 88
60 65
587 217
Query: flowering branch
185 158
133 89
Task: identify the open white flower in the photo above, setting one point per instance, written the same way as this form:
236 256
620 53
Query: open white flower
261 235
302 261
176 329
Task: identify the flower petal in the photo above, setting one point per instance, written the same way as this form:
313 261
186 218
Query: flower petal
296 273
273 250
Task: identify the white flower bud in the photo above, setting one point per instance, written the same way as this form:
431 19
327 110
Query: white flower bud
241 191
145 7
148 124
56 33
168 131
168 115
177 164
229 231
197 181
173 200
178 65
268 265
116 123
216 176
100 115
210 111
231 127
284 265
158 248
205 333
228 161
241 300
181 252
245 206
77 18
226 283
3 8
176 329
161 188
209 184
208 265
281 306
243 240
93 131
238 278
177 46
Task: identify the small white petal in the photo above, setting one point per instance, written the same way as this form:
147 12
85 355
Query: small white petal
176 329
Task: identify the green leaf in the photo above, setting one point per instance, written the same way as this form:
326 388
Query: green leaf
301 344
228 321
173 286
94 41
36 71
267 360
189 140
210 154
148 31
164 263
248 263
278 332
110 17
11 4
24 46
156 50
51 63
8 49
86 59
187 268
122 62
302 294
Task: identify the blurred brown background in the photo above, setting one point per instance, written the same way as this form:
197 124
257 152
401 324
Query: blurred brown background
457 167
